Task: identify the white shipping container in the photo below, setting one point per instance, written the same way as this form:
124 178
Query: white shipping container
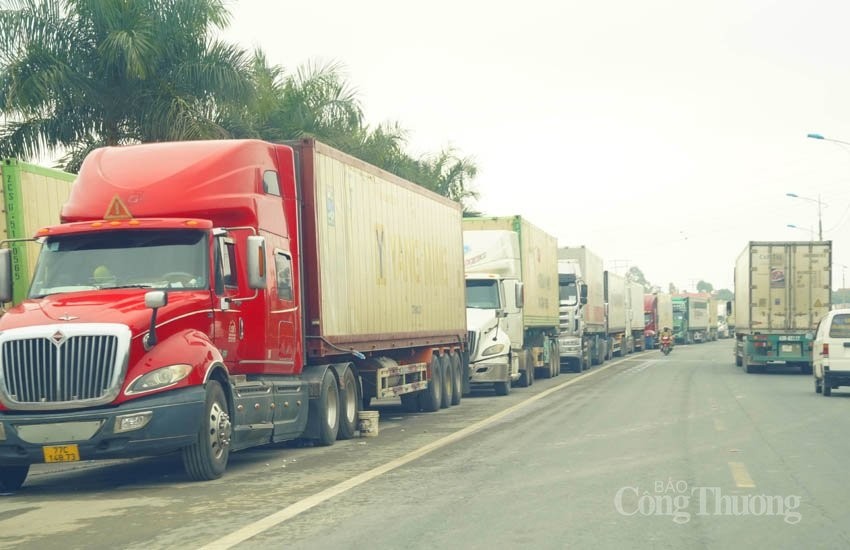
539 258
615 294
782 286
634 296
665 310
594 277
383 256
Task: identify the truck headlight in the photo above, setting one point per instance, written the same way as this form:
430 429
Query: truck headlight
160 378
493 350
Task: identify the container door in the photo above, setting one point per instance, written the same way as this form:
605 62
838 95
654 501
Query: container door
811 285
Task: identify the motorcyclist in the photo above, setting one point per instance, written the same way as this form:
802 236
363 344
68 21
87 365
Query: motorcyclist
666 331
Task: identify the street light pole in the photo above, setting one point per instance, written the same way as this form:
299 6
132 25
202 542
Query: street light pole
820 212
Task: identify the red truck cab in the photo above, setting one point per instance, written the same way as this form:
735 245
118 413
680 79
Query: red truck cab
163 313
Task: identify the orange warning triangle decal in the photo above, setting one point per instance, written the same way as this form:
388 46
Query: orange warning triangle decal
117 210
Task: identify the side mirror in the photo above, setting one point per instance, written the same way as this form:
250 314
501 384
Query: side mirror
154 299
583 294
728 308
520 295
256 262
6 294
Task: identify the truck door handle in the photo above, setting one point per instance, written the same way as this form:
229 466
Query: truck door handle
241 328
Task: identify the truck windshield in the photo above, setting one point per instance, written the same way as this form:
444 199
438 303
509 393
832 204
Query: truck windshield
176 259
568 293
482 294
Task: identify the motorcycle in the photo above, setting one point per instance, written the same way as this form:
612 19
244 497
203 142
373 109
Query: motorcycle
666 345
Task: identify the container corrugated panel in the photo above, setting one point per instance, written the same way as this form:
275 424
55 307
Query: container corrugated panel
697 312
539 258
32 198
788 285
593 274
615 286
387 267
665 310
635 318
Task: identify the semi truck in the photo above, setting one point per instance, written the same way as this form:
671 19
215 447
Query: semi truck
615 308
512 301
206 297
690 318
635 317
782 289
32 198
584 339
658 313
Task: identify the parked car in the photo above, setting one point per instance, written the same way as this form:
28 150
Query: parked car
831 351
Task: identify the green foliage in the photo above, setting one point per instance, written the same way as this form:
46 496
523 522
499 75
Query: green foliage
80 74
635 275
316 102
725 295
704 286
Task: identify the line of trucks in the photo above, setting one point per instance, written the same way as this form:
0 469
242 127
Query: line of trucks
206 297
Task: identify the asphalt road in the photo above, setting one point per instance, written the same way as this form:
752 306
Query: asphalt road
647 451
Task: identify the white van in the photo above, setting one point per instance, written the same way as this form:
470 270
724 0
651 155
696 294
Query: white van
831 352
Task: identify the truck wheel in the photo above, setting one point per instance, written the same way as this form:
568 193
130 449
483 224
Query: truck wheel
738 361
827 388
410 402
206 458
327 409
555 357
502 388
457 377
12 477
446 388
429 399
747 366
348 406
526 379
818 386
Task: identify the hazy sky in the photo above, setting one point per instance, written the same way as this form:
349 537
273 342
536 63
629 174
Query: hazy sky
661 133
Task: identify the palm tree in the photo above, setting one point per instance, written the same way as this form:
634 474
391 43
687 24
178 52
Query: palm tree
80 74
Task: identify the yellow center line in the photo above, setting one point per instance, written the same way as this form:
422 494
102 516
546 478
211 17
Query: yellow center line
741 475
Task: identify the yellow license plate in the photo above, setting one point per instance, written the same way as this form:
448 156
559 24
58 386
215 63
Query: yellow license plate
61 453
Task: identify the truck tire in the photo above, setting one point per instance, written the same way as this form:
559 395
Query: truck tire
554 359
502 388
457 377
206 458
327 409
738 361
446 388
410 402
430 397
12 477
349 406
818 386
526 378
827 388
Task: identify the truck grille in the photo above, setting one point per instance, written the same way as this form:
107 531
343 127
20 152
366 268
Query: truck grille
62 369
471 343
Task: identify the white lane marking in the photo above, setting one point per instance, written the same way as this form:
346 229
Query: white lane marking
272 520
741 475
